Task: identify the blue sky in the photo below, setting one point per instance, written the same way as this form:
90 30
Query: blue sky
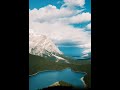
66 22
58 3
41 3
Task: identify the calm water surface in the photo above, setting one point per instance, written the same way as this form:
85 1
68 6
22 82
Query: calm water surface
46 78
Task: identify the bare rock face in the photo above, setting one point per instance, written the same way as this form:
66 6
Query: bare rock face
41 44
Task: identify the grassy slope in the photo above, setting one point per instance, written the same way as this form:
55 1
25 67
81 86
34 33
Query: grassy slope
37 64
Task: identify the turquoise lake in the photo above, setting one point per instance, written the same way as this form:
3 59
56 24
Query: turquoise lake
74 52
46 78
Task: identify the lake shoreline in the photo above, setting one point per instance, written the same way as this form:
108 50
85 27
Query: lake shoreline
82 78
57 70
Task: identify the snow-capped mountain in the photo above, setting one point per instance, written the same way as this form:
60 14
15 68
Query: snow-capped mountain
41 45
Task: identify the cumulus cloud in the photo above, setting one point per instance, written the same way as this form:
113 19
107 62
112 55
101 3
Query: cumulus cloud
64 15
89 26
86 52
80 18
51 14
60 32
72 3
55 23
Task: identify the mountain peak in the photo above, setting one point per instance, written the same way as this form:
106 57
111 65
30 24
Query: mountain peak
40 44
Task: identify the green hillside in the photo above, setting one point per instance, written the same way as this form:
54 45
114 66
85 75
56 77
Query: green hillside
37 63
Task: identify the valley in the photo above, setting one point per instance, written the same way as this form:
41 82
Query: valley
45 56
38 64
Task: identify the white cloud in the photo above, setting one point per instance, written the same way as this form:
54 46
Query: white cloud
81 18
86 55
89 26
51 14
64 15
60 32
54 23
74 3
86 52
84 17
87 45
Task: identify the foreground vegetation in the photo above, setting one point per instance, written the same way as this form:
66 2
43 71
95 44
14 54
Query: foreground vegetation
60 83
37 63
57 85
